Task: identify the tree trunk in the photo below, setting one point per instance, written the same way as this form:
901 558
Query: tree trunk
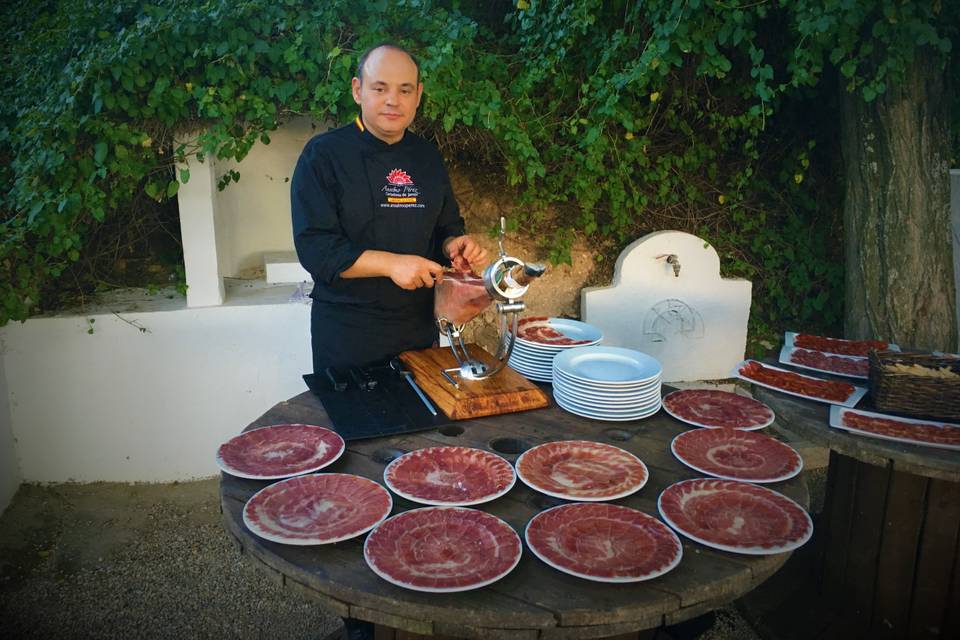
899 255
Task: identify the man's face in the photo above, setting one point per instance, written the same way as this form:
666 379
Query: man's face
389 93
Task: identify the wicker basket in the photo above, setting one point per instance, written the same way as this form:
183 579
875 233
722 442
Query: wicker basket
916 384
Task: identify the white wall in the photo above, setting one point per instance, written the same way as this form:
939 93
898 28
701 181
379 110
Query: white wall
10 476
121 405
253 215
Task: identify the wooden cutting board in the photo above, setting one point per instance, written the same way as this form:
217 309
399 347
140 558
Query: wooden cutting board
505 392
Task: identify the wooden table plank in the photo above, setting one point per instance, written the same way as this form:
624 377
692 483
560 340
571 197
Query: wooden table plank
905 500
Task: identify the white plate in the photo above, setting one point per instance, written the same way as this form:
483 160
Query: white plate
790 336
584 459
531 364
528 370
606 391
600 399
409 523
666 407
546 360
605 403
573 329
836 421
858 392
609 407
786 352
612 366
599 384
756 491
284 511
542 552
435 462
598 416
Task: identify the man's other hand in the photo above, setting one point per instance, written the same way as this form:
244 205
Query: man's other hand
413 272
464 253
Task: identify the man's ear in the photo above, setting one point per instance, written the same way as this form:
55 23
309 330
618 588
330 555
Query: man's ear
419 92
355 86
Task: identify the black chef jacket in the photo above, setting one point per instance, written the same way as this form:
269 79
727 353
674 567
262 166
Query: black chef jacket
352 192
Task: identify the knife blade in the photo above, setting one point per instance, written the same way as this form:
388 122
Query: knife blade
397 366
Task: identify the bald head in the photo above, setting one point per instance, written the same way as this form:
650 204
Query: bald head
379 48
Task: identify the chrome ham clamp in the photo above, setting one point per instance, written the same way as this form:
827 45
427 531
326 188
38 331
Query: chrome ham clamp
505 281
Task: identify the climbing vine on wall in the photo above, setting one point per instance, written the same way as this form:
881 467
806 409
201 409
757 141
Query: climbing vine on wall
609 118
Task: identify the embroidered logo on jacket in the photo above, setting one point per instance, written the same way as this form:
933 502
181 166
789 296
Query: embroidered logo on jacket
399 176
400 190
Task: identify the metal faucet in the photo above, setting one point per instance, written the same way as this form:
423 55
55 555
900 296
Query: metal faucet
674 261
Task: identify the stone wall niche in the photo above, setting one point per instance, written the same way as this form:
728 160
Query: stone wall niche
668 300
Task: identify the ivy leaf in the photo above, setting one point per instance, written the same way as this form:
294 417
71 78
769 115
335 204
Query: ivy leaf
34 210
99 152
172 187
184 175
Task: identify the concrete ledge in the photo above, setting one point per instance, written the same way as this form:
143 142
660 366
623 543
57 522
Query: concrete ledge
284 267
154 389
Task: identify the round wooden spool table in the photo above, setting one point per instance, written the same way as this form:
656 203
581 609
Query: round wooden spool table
534 600
892 528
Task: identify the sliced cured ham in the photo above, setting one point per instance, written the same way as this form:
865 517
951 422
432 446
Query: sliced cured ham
796 384
735 516
442 549
603 542
317 509
460 297
838 345
853 366
539 329
582 470
713 408
452 476
737 455
929 433
279 451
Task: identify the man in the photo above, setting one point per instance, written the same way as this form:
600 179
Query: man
373 218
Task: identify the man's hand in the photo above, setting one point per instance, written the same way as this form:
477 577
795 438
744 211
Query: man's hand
413 272
464 252
406 271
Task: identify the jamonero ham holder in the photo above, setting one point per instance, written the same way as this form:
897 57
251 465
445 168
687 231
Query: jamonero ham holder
466 381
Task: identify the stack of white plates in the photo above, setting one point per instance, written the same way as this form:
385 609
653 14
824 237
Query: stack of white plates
532 356
607 383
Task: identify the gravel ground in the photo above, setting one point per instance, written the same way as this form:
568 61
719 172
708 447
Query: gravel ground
112 560
121 561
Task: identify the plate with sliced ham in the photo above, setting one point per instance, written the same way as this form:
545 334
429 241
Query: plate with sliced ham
449 476
279 451
796 384
582 470
833 363
734 454
836 345
442 549
929 433
714 408
603 542
317 509
556 332
735 516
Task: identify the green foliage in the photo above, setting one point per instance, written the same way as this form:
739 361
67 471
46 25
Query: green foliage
611 118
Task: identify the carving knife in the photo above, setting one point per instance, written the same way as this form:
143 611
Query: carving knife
397 366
